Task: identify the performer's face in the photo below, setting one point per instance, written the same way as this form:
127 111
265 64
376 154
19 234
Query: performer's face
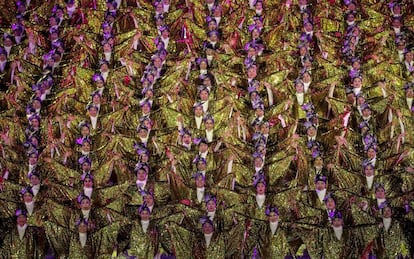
213 37
387 212
396 23
265 129
86 147
350 18
318 161
149 200
308 27
299 88
93 111
141 175
198 111
357 83
311 132
149 94
380 193
144 158
396 9
8 42
320 185
203 95
32 159
99 84
96 99
306 78
260 188
330 204
258 162
203 147
157 62
371 153
85 131
208 228
27 197
369 170
356 65
104 67
52 21
259 6
337 222
82 228
146 108
259 112
165 34
255 34
262 150
303 51
409 93
159 8
34 180
201 166
37 104
203 65
251 72
251 52
211 206
142 133
85 204
207 81
401 45
351 7
360 100
145 215
366 112
217 12
199 181
147 123
186 139
209 124
21 220
88 183
107 47
259 23
159 22
212 25
35 123
273 217
86 167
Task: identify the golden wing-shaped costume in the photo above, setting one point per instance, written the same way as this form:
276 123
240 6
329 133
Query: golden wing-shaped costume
58 213
58 237
285 199
279 169
63 173
107 195
7 208
182 240
243 173
83 81
170 116
105 239
375 20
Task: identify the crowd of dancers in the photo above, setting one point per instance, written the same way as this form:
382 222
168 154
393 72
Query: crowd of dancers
207 129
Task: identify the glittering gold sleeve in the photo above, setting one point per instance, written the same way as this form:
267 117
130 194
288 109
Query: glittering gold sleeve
58 237
76 251
142 245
